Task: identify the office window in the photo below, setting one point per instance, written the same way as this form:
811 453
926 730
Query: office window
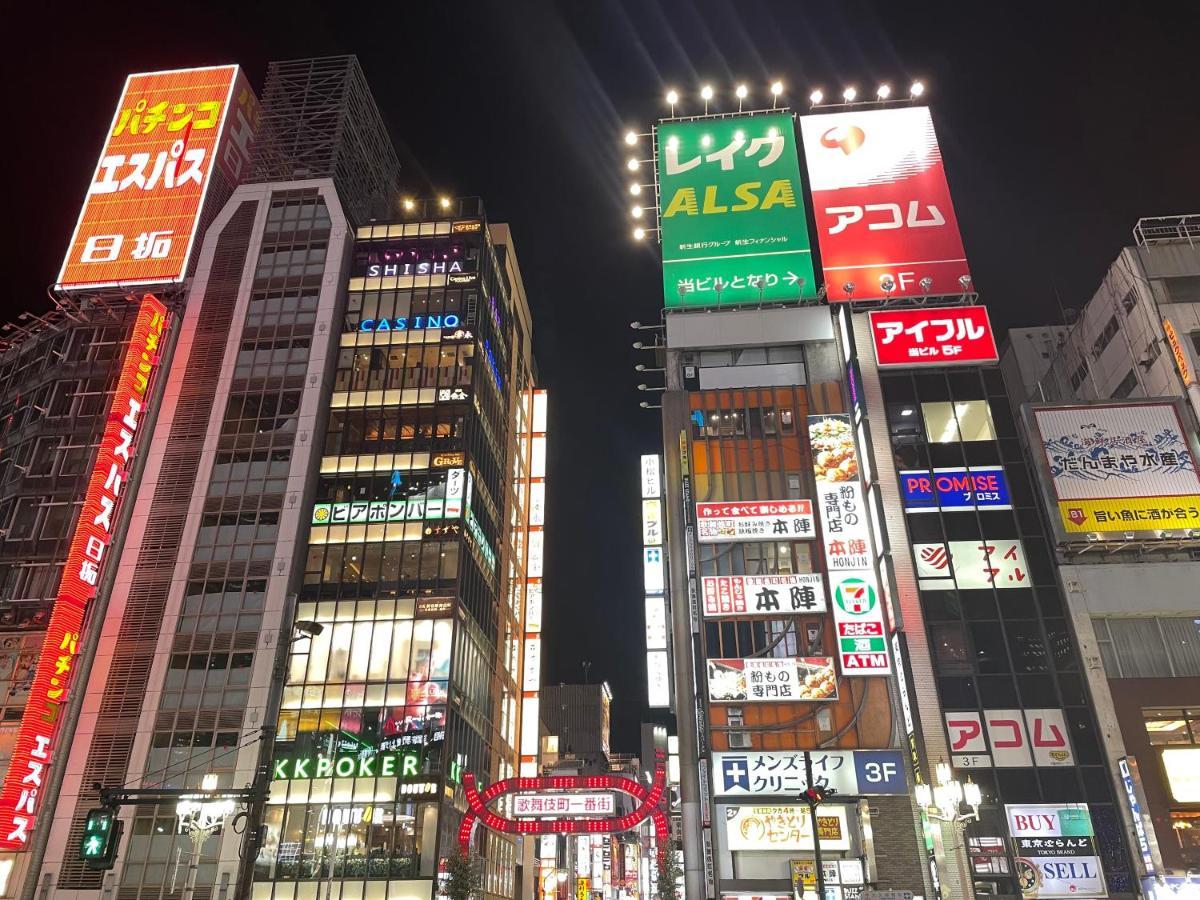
1126 387
963 420
1110 331
1079 375
1172 726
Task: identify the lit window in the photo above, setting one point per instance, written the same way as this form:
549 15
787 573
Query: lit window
964 420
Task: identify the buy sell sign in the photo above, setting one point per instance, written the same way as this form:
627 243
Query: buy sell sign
731 212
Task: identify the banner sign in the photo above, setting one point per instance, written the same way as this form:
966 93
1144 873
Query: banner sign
954 489
87 555
936 336
772 679
972 565
784 828
858 618
754 520
762 595
882 206
1015 738
143 207
1055 850
781 772
732 219
1116 469
590 805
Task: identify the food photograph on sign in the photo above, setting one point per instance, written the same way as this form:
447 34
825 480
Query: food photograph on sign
886 225
1117 469
772 679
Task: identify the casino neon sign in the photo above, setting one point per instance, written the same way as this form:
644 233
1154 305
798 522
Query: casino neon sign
649 806
416 323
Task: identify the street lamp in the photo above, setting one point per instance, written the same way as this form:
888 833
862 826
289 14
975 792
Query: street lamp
200 817
944 800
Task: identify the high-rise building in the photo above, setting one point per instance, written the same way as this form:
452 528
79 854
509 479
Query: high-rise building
332 575
579 715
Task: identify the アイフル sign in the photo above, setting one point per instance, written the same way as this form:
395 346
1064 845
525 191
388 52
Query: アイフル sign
934 336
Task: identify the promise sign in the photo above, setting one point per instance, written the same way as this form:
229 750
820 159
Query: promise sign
34 748
732 218
143 207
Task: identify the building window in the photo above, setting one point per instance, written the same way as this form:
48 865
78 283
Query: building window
1110 331
1078 376
1129 301
1172 726
1184 289
1125 388
963 420
1164 647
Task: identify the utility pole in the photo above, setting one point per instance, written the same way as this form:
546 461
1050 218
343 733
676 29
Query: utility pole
813 796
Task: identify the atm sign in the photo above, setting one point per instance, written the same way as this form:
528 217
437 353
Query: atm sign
955 489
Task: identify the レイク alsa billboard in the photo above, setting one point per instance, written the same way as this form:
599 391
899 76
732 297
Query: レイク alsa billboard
731 210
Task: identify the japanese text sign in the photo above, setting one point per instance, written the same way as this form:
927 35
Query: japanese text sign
1055 851
1009 738
564 805
972 565
769 773
762 595
882 206
1117 468
732 217
954 489
784 828
143 207
86 557
858 619
936 336
772 679
754 520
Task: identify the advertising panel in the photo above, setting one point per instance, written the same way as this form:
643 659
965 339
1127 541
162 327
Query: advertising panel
1179 351
86 557
849 772
1182 766
142 209
1143 825
955 489
882 206
762 595
972 565
652 570
658 679
938 336
858 618
772 679
1014 738
784 828
754 520
1117 469
651 476
731 212
590 805
1055 850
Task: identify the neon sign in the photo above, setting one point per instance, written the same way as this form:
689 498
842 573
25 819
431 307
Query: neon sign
33 751
417 323
402 764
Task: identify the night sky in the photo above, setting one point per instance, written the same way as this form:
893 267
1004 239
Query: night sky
1060 123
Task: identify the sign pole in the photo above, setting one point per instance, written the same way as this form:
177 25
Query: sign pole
812 817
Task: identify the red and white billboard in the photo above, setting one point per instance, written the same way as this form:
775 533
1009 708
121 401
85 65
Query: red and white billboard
933 336
34 748
762 595
754 520
142 209
883 208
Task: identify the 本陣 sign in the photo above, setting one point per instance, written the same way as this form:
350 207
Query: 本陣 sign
938 336
772 679
754 520
954 489
143 207
972 565
564 805
732 217
784 828
885 220
1118 468
781 772
1055 848
762 595
86 558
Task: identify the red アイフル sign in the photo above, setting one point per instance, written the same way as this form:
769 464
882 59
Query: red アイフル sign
34 747
934 336
885 219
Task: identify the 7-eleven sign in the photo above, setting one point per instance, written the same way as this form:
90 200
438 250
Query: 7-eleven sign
858 618
854 595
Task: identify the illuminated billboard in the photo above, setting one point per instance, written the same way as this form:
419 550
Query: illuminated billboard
772 679
785 828
762 595
143 207
731 212
1055 850
1116 470
937 336
87 556
882 206
754 520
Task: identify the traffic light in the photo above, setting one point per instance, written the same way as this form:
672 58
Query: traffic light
815 796
101 836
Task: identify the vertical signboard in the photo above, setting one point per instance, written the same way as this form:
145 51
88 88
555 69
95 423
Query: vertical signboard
731 212
34 749
882 206
143 206
658 665
1116 470
857 611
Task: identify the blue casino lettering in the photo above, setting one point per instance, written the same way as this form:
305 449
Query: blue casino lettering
402 323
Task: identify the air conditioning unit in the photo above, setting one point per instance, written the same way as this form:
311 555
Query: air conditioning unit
740 740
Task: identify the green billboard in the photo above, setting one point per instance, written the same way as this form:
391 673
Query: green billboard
732 216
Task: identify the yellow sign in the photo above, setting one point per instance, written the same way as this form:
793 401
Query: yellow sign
1181 360
804 873
581 889
1130 514
1182 765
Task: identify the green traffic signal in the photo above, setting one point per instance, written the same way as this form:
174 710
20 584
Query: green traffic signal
101 835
